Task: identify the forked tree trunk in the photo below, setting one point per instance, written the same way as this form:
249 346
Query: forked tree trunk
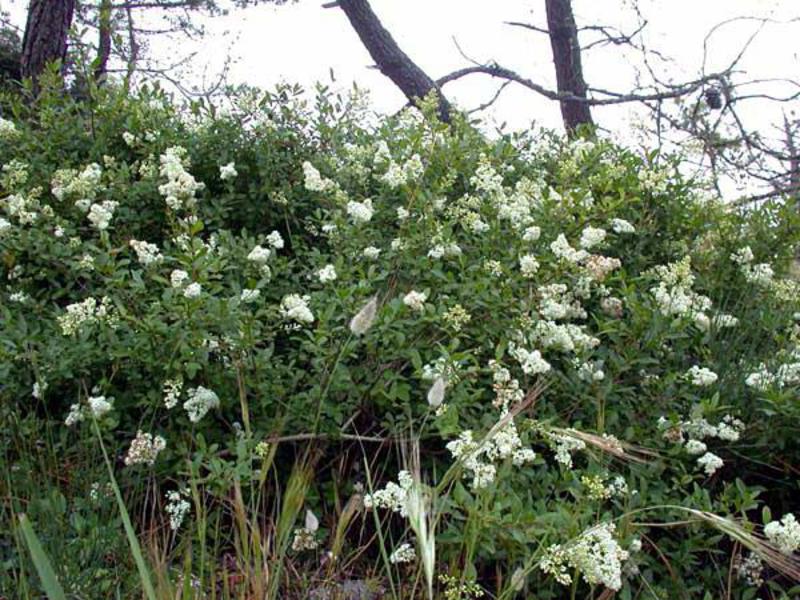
390 59
46 34
567 59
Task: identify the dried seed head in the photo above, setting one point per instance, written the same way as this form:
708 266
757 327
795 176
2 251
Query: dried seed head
436 393
361 323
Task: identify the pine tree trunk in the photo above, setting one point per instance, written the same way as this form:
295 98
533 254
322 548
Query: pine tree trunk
46 34
567 60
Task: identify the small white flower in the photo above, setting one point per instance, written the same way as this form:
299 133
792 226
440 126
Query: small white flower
193 290
147 253
528 265
228 171
531 234
248 296
404 553
415 300
100 405
622 226
295 307
695 447
785 534
327 274
259 255
371 252
591 237
178 278
360 212
701 377
275 240
200 401
710 462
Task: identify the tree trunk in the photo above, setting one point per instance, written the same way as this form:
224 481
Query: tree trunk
567 59
45 37
390 59
103 41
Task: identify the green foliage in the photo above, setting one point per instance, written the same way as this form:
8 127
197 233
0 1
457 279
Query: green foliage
224 366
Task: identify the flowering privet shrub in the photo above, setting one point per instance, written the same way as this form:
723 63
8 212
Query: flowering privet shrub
577 340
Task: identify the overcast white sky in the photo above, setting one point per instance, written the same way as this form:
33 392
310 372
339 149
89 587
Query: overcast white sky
303 42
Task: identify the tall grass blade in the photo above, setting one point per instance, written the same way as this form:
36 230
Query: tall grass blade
47 575
136 549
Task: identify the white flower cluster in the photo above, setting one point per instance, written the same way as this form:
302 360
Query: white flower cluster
528 266
478 457
371 252
360 212
147 253
8 131
305 538
443 367
177 507
83 186
674 294
23 208
249 296
181 187
589 371
404 553
596 554
227 172
97 406
200 401
761 274
260 256
295 307
531 362
144 449
327 274
275 240
697 428
444 250
85 313
602 488
784 534
622 226
314 182
564 444
710 463
750 569
507 390
562 249
100 215
591 237
486 179
557 302
393 496
701 376
172 389
599 267
566 337
415 300
785 375
397 174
